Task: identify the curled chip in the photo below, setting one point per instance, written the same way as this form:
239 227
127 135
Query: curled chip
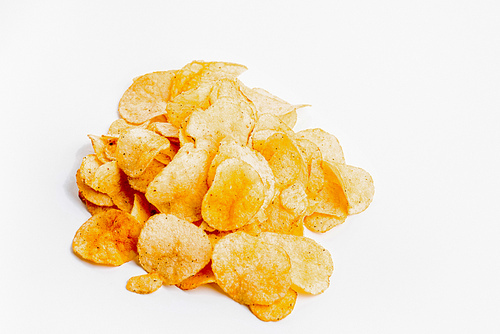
312 264
202 277
91 195
327 143
180 187
173 248
136 149
144 284
147 97
278 310
249 270
357 185
109 238
235 196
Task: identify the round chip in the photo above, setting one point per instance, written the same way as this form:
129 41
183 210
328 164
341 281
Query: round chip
312 264
235 196
174 248
109 237
249 270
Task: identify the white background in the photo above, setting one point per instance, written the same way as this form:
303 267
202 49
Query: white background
410 88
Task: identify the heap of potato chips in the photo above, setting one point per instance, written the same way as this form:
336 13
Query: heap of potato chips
205 181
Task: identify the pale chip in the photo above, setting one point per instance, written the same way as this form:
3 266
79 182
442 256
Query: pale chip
173 248
180 187
147 97
312 264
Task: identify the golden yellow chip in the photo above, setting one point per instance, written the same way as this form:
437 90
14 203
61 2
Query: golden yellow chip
182 106
92 208
322 222
109 238
144 284
141 182
166 130
278 310
195 73
91 195
136 149
172 247
357 185
141 209
285 160
90 164
110 180
147 97
179 188
249 270
235 196
312 264
314 162
202 277
230 149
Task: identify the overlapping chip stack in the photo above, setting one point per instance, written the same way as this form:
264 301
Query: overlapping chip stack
206 182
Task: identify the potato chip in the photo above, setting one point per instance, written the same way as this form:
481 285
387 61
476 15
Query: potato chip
183 105
92 208
267 103
327 143
108 238
280 220
249 270
322 222
166 130
285 160
147 97
91 195
231 115
202 277
230 149
120 126
90 163
144 284
172 247
314 162
110 180
235 196
312 264
196 73
294 198
141 182
357 185
141 209
136 149
180 187
278 310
